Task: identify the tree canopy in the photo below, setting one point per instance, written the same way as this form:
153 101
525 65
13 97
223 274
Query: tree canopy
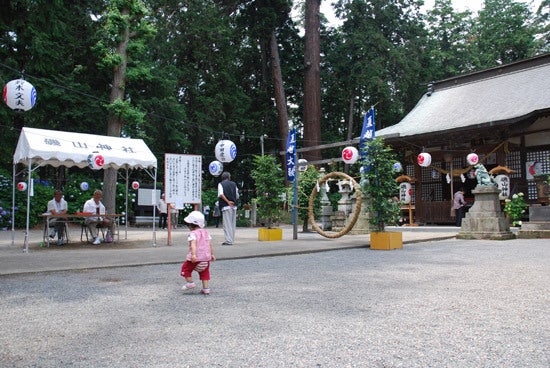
199 70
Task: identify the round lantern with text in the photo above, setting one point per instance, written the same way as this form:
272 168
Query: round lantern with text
84 186
350 155
95 161
302 164
135 185
21 186
215 168
397 167
19 95
424 159
405 192
225 151
472 159
503 183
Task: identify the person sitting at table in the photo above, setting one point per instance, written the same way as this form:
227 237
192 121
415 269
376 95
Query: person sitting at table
57 206
95 206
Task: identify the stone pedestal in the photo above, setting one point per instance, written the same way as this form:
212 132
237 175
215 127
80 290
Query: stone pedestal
362 225
538 225
485 220
338 221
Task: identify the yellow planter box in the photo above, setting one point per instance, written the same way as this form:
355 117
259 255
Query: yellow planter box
265 234
386 240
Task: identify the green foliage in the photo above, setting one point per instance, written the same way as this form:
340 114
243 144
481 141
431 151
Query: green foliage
378 182
515 208
43 193
268 178
306 182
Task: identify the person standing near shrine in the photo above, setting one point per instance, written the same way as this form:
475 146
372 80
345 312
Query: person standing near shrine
228 196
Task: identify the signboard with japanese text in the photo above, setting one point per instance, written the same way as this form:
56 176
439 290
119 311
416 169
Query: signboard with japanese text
182 178
291 155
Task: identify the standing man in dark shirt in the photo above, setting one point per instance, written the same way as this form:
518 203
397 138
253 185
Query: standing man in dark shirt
228 196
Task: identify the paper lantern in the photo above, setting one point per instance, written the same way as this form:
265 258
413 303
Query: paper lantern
405 192
19 95
84 186
424 159
397 167
95 161
135 185
225 151
215 168
350 155
21 186
472 159
302 164
503 183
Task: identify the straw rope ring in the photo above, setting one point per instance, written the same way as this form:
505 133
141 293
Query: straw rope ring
357 209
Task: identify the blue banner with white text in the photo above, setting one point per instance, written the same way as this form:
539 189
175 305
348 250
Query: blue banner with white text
291 155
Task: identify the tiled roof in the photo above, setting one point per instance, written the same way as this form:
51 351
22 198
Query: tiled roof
505 94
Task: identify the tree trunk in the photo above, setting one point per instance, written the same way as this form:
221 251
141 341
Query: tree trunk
114 124
312 84
350 126
279 92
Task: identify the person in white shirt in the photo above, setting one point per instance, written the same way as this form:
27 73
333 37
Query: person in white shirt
58 206
162 207
94 205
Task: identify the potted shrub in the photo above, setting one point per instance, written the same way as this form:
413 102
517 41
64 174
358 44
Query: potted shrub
269 181
379 185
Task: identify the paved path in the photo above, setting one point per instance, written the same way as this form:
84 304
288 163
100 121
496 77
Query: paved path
138 249
445 303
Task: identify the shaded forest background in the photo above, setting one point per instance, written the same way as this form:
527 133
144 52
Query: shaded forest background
197 71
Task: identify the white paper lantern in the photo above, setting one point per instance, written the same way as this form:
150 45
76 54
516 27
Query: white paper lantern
350 155
84 186
95 161
472 159
215 168
19 95
21 186
424 159
225 151
302 164
397 167
135 185
503 184
405 192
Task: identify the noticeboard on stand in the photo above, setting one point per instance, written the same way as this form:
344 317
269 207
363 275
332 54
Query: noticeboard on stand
182 179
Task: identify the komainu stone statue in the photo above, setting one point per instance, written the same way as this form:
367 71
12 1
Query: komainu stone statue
483 177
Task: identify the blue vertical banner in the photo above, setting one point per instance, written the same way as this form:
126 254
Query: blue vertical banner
367 134
291 155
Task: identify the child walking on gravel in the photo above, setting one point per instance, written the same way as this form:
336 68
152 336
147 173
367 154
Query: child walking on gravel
200 253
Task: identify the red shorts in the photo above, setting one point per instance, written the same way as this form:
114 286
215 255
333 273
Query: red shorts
203 268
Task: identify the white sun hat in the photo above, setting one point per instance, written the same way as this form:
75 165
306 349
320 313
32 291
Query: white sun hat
196 218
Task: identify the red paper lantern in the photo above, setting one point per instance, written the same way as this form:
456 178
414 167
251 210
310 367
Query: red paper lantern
424 159
350 155
95 161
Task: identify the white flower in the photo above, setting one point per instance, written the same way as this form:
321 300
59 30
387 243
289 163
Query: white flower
515 196
519 223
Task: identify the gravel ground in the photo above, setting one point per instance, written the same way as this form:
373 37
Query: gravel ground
451 303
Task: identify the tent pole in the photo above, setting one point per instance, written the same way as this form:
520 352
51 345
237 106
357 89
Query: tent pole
28 206
154 208
126 213
13 206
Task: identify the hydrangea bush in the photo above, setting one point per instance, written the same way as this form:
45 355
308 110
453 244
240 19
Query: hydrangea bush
515 208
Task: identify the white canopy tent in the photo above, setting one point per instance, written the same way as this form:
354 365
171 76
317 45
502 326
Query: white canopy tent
39 147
